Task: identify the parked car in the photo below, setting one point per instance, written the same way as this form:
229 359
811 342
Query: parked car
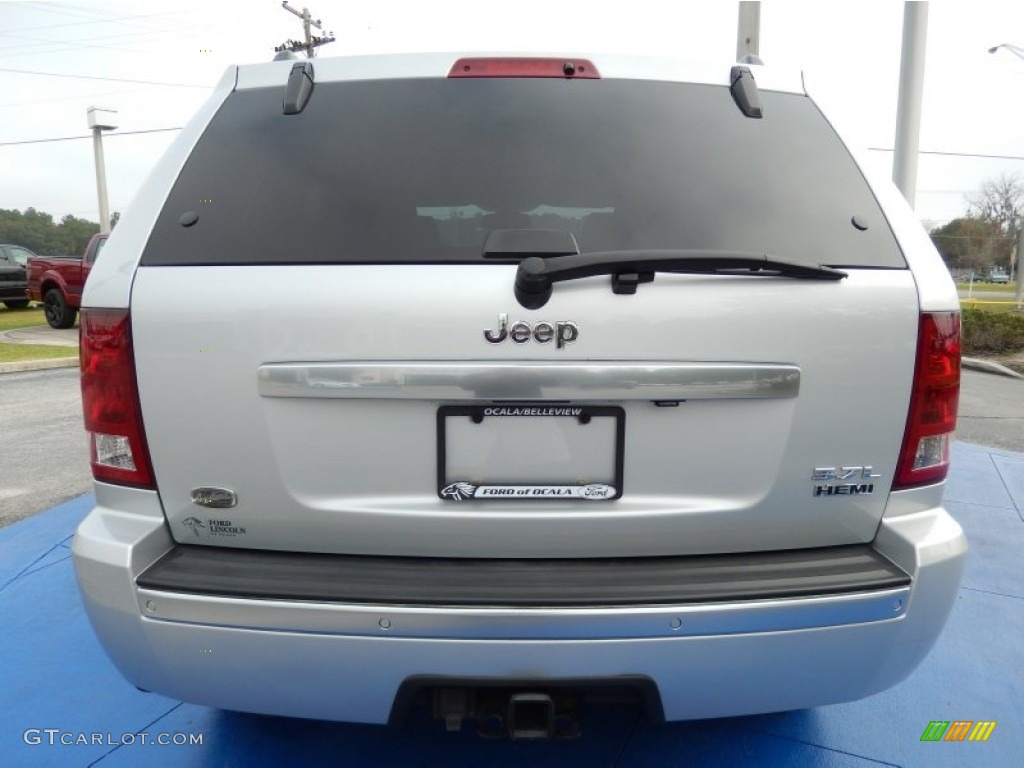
497 382
57 281
12 275
998 276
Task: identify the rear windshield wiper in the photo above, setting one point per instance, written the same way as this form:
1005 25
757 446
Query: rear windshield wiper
628 269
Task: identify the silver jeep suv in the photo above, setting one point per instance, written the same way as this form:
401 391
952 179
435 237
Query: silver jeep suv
497 381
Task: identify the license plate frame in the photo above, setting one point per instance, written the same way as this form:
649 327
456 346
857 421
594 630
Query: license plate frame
458 489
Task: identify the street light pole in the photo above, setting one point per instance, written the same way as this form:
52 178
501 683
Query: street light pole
1019 294
101 120
748 30
101 179
1015 50
1019 255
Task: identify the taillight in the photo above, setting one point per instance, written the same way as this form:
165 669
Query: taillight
931 421
110 399
524 67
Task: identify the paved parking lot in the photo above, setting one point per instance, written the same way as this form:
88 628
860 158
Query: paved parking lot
45 458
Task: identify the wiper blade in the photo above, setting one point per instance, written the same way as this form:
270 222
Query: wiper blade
628 269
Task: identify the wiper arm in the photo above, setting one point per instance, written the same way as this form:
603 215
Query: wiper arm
628 269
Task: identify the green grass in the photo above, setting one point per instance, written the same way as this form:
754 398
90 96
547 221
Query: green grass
17 353
987 287
989 305
21 318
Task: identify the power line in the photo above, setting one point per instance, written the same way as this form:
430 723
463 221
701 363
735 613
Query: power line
92 13
953 154
87 136
77 14
76 97
94 77
94 41
72 45
111 20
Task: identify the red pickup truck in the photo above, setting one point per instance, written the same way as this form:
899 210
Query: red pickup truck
57 281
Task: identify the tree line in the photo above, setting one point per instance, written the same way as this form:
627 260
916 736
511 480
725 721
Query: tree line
987 235
38 232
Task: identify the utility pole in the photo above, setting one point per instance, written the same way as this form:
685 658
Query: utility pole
312 41
908 110
748 32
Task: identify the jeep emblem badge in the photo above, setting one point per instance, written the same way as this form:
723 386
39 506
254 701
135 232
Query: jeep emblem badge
562 332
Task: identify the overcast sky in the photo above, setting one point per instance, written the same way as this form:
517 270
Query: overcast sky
850 52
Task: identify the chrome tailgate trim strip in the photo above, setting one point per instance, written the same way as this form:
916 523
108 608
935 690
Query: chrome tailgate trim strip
525 381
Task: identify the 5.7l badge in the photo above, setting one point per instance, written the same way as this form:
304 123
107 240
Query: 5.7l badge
844 481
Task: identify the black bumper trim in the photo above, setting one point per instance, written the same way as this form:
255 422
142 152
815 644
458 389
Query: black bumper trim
521 583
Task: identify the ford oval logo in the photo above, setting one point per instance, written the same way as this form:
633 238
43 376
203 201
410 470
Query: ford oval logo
214 498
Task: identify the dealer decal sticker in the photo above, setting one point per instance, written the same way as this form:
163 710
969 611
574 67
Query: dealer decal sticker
461 491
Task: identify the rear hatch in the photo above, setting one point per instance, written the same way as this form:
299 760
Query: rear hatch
332 358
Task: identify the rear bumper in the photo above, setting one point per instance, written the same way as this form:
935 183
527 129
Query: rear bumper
347 661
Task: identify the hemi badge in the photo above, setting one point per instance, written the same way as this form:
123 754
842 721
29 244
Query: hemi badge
214 498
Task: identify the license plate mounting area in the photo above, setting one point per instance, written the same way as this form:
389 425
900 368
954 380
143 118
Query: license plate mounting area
530 452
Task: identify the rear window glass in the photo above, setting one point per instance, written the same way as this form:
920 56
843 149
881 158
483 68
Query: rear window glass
401 171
